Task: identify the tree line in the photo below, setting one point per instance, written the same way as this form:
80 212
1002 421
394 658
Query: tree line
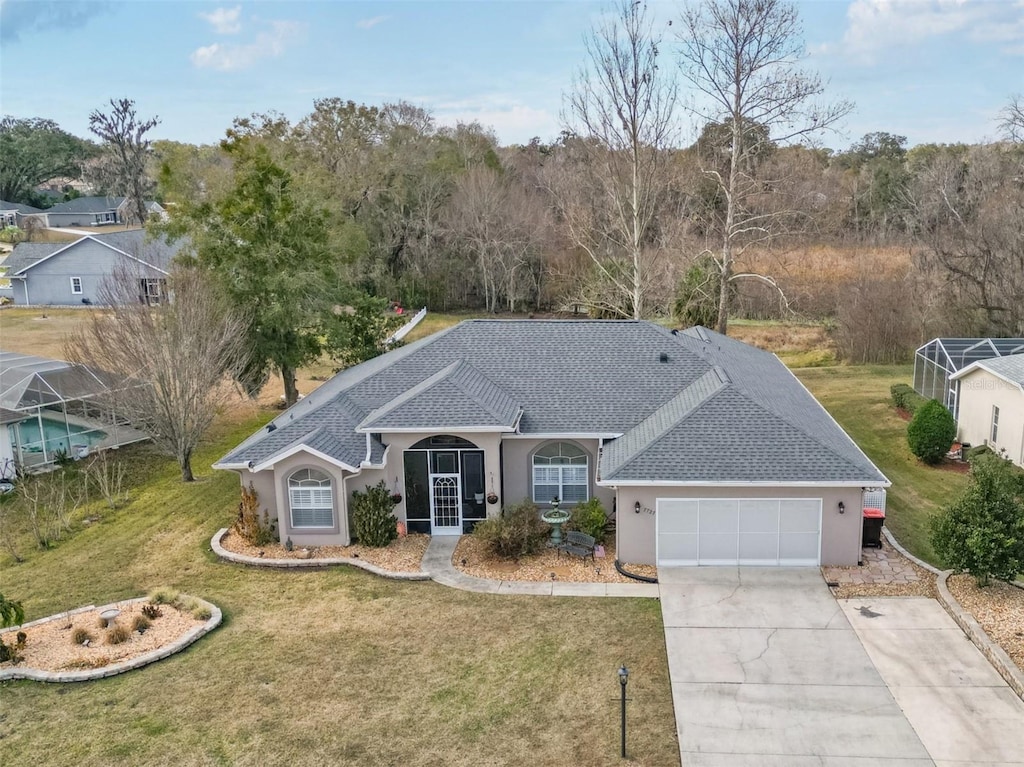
622 215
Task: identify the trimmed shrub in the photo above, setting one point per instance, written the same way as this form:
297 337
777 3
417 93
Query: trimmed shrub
81 636
931 432
589 518
140 623
978 450
982 531
373 520
905 398
517 532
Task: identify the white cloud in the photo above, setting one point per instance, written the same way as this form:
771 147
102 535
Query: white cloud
270 43
371 22
225 20
512 121
874 25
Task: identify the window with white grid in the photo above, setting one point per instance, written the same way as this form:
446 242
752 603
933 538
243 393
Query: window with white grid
311 499
561 470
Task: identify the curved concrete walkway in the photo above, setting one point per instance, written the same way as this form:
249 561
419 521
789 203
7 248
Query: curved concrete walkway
438 562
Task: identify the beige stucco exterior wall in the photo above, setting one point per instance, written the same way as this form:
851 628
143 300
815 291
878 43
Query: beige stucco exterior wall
840 533
398 443
272 490
980 391
518 460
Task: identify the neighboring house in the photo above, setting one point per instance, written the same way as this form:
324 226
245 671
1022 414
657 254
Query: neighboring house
95 211
51 409
707 451
71 274
937 362
14 213
991 396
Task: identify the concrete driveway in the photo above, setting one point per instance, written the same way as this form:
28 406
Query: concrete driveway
766 670
769 669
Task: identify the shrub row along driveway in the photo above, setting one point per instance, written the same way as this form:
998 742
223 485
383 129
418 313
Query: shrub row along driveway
767 670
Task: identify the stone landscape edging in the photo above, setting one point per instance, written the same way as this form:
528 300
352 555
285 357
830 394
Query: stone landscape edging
996 655
85 675
245 559
919 562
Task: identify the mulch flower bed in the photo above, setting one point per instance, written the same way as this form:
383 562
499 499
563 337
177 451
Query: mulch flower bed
472 557
402 555
999 608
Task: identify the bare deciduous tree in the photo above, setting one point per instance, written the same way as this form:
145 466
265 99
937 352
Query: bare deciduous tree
621 112
181 354
742 57
1011 119
127 153
504 228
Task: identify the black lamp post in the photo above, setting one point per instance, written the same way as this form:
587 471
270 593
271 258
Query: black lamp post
623 680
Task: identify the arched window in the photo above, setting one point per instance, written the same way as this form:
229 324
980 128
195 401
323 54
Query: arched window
311 499
560 470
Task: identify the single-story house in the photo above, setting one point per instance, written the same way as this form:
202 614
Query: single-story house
14 213
95 211
705 450
71 273
51 409
991 394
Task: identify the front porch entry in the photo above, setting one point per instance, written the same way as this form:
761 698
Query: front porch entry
444 485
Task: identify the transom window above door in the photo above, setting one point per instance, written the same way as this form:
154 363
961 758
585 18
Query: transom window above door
561 470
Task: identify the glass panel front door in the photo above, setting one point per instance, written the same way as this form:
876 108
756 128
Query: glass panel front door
445 504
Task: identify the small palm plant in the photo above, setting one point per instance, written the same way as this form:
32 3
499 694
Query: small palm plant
11 612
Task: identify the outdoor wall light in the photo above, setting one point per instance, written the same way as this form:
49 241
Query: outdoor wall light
842 507
636 508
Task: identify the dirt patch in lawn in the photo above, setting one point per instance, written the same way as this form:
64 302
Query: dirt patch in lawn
999 608
474 558
51 646
402 555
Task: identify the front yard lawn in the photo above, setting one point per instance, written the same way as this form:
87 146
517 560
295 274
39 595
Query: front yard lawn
857 396
329 667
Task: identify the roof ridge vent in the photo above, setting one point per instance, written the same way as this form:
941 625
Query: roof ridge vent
722 375
702 333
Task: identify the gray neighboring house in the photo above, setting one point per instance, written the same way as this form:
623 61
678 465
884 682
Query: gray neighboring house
707 450
71 274
15 213
94 211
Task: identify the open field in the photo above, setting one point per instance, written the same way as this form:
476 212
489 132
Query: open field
332 667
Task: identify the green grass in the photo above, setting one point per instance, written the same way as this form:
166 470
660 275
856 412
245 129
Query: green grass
328 667
858 398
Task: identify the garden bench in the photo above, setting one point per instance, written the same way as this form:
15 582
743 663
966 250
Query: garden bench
580 544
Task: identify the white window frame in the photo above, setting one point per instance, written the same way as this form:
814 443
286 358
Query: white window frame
76 286
311 490
559 472
994 431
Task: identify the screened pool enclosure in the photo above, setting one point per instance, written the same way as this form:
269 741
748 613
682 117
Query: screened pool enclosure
940 358
51 410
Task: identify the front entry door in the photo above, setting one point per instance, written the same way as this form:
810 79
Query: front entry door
445 504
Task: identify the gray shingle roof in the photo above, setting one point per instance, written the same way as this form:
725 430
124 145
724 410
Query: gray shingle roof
458 397
27 253
18 206
156 252
87 205
1009 368
685 408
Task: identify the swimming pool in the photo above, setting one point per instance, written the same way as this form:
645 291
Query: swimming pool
72 438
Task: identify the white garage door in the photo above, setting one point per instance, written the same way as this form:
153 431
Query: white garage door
724 531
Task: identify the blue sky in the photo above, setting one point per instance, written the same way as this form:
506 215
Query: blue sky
932 70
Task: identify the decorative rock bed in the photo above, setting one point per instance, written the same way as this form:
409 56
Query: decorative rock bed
51 655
